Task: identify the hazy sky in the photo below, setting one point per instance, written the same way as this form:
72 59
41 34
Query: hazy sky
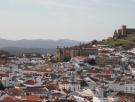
57 19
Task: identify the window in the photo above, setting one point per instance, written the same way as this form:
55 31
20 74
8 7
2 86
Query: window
131 89
126 89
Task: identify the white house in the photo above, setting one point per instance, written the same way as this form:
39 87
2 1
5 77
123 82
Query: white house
37 61
104 99
124 87
23 61
11 68
70 85
7 81
90 82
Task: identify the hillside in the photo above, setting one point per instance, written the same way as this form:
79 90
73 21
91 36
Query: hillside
18 50
127 42
37 45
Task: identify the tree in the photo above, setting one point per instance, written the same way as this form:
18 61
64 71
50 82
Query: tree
92 61
67 58
94 42
1 86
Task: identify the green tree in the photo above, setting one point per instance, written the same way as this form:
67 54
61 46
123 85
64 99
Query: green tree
67 58
94 42
1 86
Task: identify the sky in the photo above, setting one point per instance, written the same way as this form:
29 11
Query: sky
82 20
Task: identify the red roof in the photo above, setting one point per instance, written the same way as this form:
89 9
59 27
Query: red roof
4 74
7 99
30 82
31 98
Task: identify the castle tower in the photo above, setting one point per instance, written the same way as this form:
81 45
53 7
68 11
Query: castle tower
124 28
115 36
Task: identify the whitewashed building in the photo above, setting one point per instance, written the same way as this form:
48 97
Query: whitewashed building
70 85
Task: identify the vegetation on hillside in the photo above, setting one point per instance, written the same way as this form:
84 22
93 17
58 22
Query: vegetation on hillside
127 42
116 42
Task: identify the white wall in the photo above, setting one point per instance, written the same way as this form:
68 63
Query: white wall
96 99
126 88
7 82
72 87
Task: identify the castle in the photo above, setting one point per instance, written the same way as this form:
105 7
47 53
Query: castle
69 52
123 32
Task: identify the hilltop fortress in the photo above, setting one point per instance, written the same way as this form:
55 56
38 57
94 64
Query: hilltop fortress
123 32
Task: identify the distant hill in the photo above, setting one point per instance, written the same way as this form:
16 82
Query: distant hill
18 50
38 45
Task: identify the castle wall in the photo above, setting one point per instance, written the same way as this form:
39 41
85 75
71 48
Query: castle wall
129 31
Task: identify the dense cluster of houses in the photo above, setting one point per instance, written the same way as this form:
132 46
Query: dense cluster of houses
104 76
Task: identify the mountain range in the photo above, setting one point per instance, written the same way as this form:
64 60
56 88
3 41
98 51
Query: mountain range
37 45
